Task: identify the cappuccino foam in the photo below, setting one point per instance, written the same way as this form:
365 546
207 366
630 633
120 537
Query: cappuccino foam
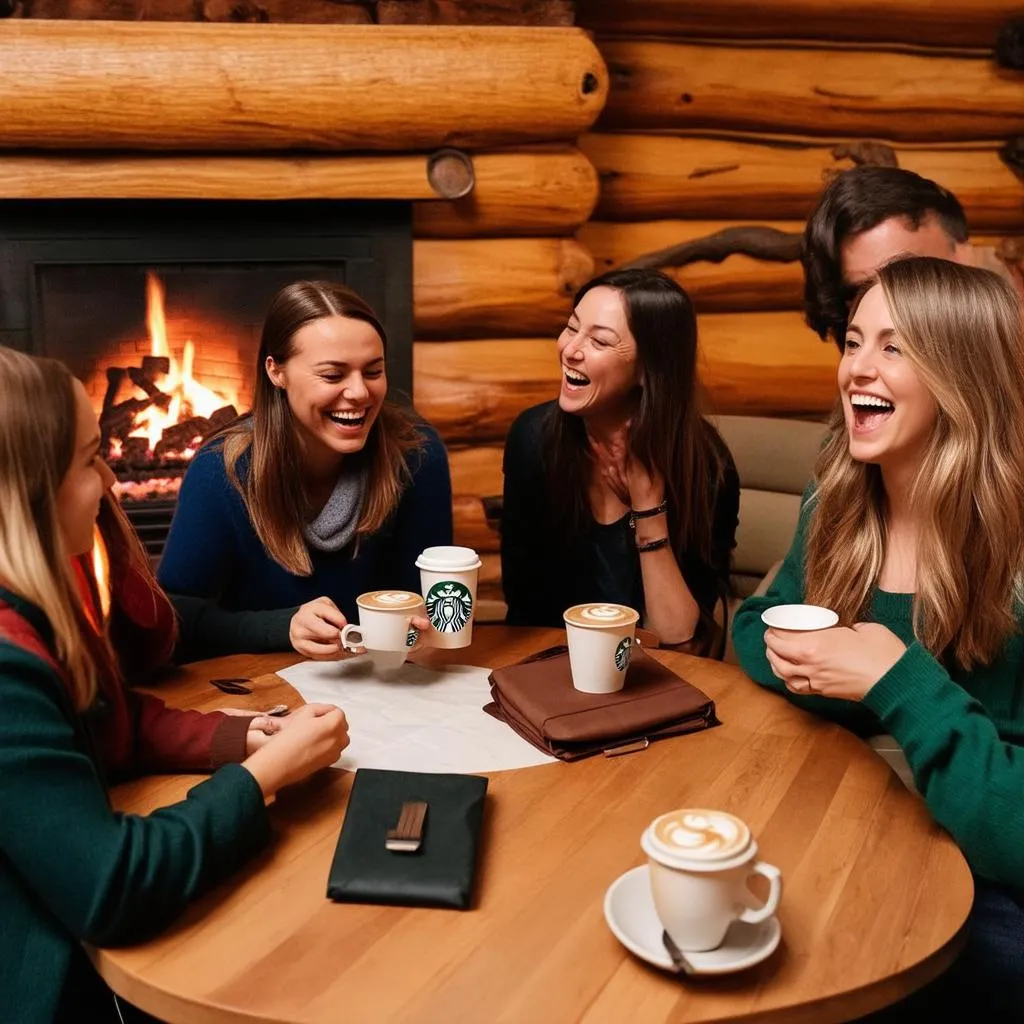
600 615
389 600
698 834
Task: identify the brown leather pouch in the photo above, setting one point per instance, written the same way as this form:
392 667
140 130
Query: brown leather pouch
537 699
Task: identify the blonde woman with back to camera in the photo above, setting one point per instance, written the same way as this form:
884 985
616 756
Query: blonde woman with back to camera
72 869
913 532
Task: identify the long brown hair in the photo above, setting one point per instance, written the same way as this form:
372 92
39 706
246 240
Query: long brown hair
275 490
667 432
961 329
38 422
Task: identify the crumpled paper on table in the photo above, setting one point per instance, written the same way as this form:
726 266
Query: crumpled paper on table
416 719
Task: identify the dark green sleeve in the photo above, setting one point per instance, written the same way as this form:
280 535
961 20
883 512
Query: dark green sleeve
748 638
110 878
971 779
205 630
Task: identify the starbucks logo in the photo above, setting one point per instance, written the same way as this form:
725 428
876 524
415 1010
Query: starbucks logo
449 606
411 637
622 654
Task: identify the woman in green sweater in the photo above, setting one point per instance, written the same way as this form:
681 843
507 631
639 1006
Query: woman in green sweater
72 869
913 532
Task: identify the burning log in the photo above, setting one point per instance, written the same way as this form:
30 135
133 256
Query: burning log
119 420
181 435
220 419
115 378
136 451
138 376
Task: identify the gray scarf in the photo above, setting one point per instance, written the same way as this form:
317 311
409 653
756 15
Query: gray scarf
336 524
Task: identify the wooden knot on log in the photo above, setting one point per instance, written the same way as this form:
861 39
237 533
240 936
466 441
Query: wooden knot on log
450 173
1012 154
748 240
1010 45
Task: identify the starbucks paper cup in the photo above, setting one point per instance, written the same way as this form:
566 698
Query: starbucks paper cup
448 577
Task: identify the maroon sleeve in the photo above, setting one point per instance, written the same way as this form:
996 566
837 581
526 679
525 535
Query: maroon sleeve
171 740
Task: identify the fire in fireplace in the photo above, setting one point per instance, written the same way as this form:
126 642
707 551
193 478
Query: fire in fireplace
155 415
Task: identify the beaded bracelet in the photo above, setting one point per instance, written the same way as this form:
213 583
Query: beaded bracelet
653 545
646 513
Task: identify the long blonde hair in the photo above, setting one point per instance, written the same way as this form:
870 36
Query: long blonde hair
961 330
37 442
274 490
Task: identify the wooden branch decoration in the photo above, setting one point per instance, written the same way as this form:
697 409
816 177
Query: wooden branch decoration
759 242
450 173
1010 45
866 153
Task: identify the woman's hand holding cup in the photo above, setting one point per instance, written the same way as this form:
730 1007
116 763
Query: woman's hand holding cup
311 738
315 629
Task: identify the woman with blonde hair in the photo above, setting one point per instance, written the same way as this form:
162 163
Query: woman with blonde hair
913 532
73 870
326 490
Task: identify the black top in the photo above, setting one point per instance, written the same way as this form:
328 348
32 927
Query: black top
543 572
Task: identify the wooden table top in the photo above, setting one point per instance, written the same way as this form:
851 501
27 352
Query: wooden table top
874 901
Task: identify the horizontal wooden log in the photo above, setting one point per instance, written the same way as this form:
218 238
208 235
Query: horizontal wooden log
544 192
644 177
48 175
151 85
476 471
738 283
945 23
472 530
498 287
670 86
767 364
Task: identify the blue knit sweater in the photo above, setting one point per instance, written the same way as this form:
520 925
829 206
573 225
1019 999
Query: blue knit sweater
231 596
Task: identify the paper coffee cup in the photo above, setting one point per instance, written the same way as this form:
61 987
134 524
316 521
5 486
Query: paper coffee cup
799 618
448 578
600 640
385 627
700 861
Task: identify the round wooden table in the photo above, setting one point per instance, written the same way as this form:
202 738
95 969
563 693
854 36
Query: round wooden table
874 904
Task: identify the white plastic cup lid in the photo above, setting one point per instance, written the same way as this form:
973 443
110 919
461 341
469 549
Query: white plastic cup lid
448 558
799 617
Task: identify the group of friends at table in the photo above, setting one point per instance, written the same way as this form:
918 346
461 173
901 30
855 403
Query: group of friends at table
618 490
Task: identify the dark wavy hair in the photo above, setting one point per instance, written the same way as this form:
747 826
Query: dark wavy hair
858 200
667 433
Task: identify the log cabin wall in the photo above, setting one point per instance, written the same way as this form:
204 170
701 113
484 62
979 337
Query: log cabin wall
729 112
513 87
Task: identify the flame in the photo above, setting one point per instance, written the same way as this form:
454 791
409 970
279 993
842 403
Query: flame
101 572
188 397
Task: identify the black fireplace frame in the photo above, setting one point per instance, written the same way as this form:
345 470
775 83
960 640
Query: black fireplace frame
371 241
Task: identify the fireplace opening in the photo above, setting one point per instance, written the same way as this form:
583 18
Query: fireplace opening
158 306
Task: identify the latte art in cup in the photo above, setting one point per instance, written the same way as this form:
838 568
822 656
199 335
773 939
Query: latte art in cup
698 834
601 615
389 600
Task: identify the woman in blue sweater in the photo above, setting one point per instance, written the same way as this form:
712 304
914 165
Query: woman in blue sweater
327 490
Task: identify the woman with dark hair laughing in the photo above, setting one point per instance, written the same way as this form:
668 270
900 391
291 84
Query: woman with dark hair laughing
620 491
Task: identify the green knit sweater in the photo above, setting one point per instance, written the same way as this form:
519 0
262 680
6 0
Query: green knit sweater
71 868
962 732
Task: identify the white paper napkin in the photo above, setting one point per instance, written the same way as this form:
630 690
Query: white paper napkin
418 719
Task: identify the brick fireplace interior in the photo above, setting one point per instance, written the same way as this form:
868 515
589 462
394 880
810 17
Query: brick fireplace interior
157 307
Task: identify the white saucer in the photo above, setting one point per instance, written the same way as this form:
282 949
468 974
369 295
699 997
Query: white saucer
629 911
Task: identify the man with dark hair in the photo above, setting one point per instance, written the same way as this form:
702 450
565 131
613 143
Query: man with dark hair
866 217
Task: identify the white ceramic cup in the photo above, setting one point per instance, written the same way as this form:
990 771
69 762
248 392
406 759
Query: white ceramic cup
799 618
448 576
385 627
700 861
600 640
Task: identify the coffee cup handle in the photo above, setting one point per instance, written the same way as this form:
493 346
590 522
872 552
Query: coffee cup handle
754 915
347 633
